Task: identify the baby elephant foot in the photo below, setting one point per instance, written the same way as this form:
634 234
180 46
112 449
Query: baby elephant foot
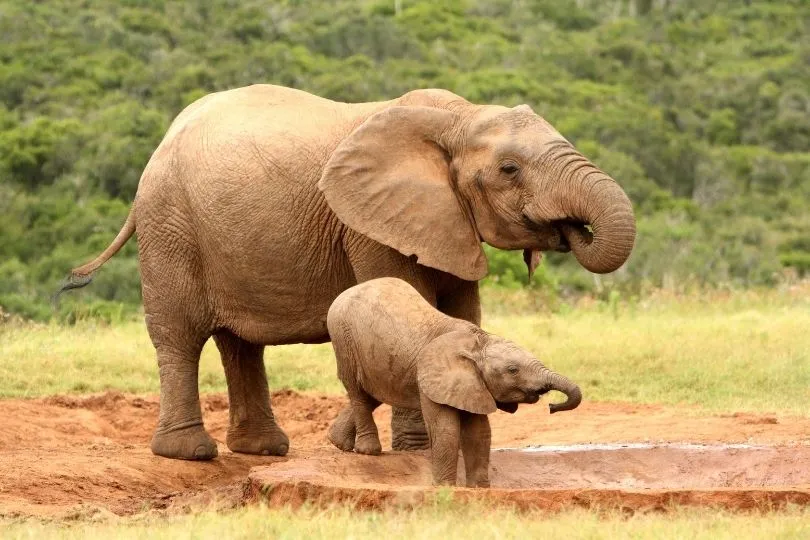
188 442
342 432
369 446
264 441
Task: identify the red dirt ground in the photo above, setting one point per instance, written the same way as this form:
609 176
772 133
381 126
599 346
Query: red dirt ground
78 457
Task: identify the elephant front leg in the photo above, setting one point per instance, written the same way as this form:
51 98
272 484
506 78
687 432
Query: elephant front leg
443 427
476 440
253 428
408 430
371 260
460 299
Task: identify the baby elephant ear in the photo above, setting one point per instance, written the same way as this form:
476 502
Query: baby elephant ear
447 373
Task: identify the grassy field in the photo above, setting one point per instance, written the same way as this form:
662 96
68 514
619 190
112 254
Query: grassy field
443 521
720 352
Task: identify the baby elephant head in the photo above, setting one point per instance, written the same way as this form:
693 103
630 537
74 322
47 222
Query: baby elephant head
481 372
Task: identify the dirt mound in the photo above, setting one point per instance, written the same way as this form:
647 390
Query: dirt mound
631 477
65 454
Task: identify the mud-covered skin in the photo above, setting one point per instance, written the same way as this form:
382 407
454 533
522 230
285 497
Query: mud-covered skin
393 347
262 204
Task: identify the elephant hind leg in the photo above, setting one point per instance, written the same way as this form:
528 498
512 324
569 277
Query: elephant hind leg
342 431
253 428
180 433
367 439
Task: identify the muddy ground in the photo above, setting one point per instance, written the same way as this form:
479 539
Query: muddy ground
68 456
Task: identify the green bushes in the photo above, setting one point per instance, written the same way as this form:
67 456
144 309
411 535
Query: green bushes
700 110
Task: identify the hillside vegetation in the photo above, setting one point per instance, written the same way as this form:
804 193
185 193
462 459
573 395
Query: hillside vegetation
701 111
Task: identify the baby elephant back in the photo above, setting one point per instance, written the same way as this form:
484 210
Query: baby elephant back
385 314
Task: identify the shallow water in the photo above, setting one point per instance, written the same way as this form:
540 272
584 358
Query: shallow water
630 446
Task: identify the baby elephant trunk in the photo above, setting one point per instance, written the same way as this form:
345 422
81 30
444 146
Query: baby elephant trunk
567 387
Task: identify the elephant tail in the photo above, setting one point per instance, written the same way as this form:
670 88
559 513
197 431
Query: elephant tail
83 275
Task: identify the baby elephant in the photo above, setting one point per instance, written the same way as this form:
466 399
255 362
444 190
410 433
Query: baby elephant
393 347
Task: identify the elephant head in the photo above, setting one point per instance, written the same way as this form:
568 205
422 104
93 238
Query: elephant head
479 372
435 182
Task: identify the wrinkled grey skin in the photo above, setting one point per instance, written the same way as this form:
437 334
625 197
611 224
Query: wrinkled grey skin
263 203
393 347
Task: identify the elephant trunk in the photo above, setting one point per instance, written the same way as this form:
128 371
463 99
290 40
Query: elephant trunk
555 381
587 196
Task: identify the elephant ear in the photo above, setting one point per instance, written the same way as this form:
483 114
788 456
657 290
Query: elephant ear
390 180
447 373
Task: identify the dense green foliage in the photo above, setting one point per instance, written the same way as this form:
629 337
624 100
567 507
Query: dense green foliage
701 111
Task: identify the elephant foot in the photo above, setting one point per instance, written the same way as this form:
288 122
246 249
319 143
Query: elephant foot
478 483
264 441
342 432
408 432
369 446
444 481
189 442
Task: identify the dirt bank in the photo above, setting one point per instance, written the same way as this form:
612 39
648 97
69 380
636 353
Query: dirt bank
66 455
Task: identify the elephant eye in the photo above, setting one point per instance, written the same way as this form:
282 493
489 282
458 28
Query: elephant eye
512 369
509 168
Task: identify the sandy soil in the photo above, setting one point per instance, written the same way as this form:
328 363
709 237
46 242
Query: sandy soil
632 478
82 457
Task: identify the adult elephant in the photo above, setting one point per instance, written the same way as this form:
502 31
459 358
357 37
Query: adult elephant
263 203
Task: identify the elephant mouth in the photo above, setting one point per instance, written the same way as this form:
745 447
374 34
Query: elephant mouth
532 398
528 398
559 229
507 407
564 244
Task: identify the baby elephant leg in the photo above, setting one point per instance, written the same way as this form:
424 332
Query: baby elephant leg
367 439
443 427
342 432
476 439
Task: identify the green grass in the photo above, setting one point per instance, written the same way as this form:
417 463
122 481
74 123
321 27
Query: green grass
442 521
719 352
91 357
